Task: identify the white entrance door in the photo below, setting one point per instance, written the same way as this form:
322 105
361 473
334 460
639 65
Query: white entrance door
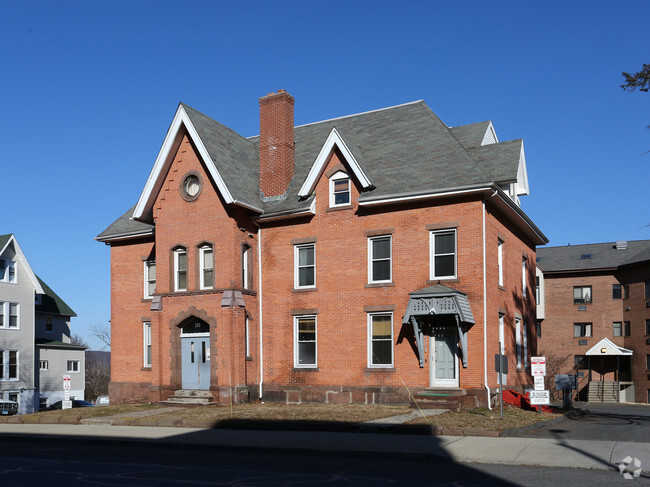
443 357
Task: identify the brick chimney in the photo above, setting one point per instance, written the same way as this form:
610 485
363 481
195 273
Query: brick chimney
276 143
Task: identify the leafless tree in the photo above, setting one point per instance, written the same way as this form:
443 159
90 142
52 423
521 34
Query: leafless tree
102 333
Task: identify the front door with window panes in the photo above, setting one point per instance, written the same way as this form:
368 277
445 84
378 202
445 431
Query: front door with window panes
195 355
443 357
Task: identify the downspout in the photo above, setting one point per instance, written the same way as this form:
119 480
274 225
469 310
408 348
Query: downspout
259 303
485 372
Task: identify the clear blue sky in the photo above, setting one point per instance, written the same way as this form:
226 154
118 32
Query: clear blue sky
89 90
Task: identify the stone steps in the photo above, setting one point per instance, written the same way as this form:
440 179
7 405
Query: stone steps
451 399
190 398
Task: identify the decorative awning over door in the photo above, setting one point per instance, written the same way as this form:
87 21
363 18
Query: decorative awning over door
439 300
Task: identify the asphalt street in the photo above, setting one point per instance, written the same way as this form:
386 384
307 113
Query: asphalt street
50 462
617 422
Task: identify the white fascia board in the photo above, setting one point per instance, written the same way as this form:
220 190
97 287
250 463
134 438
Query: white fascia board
25 263
424 196
333 139
522 174
164 160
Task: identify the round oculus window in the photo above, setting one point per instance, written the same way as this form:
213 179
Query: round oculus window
192 186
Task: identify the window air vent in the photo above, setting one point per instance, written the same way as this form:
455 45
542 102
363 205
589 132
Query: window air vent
585 256
582 342
582 308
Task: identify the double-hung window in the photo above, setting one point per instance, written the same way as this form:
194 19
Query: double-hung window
519 350
500 261
616 291
524 279
617 329
582 330
380 259
9 365
582 295
245 266
7 271
146 343
380 340
149 278
180 270
304 341
443 254
9 317
73 366
339 189
305 266
206 259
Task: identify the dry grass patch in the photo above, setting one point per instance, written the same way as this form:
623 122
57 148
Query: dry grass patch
484 419
98 411
344 413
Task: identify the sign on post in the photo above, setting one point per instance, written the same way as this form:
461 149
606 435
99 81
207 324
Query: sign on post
539 382
537 398
538 366
67 403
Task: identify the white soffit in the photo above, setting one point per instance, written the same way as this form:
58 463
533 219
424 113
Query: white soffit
24 262
165 158
334 139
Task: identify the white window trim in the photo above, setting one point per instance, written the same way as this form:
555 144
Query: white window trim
371 259
500 261
518 347
177 253
43 365
502 336
524 335
432 254
70 371
147 265
392 350
146 344
247 337
245 255
5 307
338 176
296 360
296 266
524 265
202 250
5 361
8 263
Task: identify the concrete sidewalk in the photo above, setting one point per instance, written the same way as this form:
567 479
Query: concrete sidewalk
515 451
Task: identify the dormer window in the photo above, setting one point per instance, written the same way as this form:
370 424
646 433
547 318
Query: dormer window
339 189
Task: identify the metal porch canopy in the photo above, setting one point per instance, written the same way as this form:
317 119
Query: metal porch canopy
439 300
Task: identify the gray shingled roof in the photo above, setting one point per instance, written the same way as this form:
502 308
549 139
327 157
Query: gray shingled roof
403 150
51 303
4 239
470 135
592 256
125 226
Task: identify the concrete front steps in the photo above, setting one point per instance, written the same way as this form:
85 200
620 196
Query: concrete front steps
451 399
190 398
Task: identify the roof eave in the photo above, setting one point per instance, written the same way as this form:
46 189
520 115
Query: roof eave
125 236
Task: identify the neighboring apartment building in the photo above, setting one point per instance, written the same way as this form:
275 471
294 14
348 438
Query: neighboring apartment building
335 261
594 316
35 348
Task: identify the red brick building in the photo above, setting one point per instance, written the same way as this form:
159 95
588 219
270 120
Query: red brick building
336 261
594 316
